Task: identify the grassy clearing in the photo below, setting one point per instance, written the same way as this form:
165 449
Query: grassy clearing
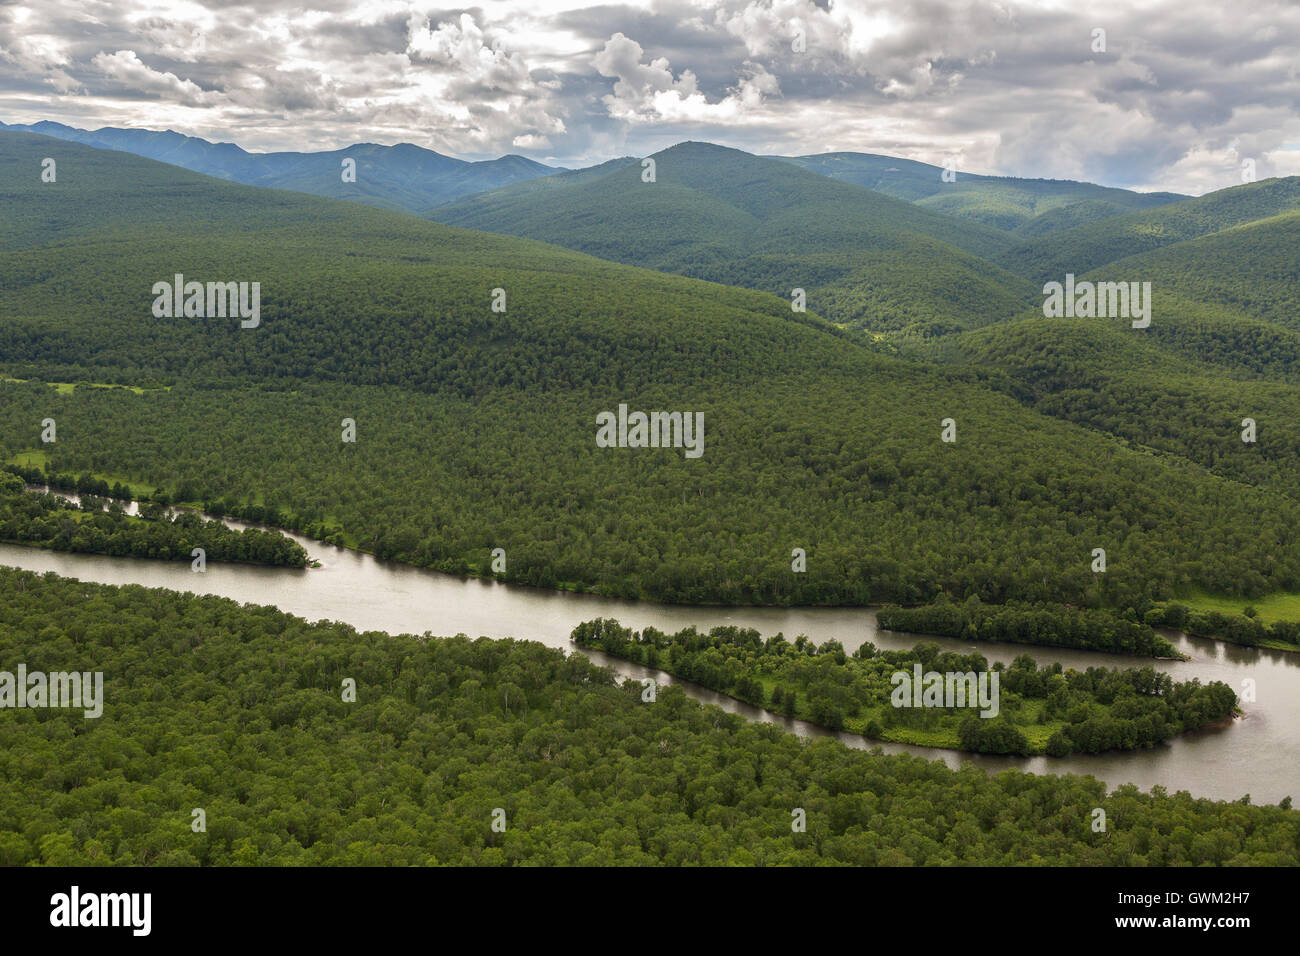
1275 607
1036 727
67 388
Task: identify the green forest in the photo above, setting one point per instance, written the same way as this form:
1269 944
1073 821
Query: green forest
1084 629
385 403
239 711
1017 623
475 428
1090 245
1041 710
98 526
864 258
1237 628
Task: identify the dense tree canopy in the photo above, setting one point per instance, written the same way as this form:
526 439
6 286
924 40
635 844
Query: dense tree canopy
1036 710
1052 624
98 527
238 710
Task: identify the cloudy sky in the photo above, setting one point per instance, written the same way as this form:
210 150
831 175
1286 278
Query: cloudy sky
1175 95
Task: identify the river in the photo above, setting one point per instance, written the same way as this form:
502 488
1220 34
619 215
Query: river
1258 754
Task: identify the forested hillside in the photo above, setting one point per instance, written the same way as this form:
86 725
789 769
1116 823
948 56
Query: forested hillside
863 258
1084 248
475 429
1223 346
238 711
1106 379
1246 269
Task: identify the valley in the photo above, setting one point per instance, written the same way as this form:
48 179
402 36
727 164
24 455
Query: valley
432 390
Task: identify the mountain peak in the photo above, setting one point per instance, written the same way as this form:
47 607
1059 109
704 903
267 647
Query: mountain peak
694 148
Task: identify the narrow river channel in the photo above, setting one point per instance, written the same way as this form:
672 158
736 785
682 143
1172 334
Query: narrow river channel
1258 754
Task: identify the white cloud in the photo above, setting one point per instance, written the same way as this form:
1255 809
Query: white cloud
178 40
648 92
40 54
461 47
126 67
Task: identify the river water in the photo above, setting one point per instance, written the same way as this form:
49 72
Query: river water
1257 755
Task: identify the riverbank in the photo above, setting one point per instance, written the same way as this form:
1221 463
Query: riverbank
1258 755
966 704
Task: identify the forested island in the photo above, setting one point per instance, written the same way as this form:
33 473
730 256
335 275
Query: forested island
1039 710
239 711
99 526
1088 629
1053 625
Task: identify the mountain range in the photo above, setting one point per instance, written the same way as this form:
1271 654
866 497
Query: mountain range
1025 207
403 177
415 179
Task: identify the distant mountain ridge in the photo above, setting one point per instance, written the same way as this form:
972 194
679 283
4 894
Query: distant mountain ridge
1027 207
864 259
409 178
876 242
404 177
